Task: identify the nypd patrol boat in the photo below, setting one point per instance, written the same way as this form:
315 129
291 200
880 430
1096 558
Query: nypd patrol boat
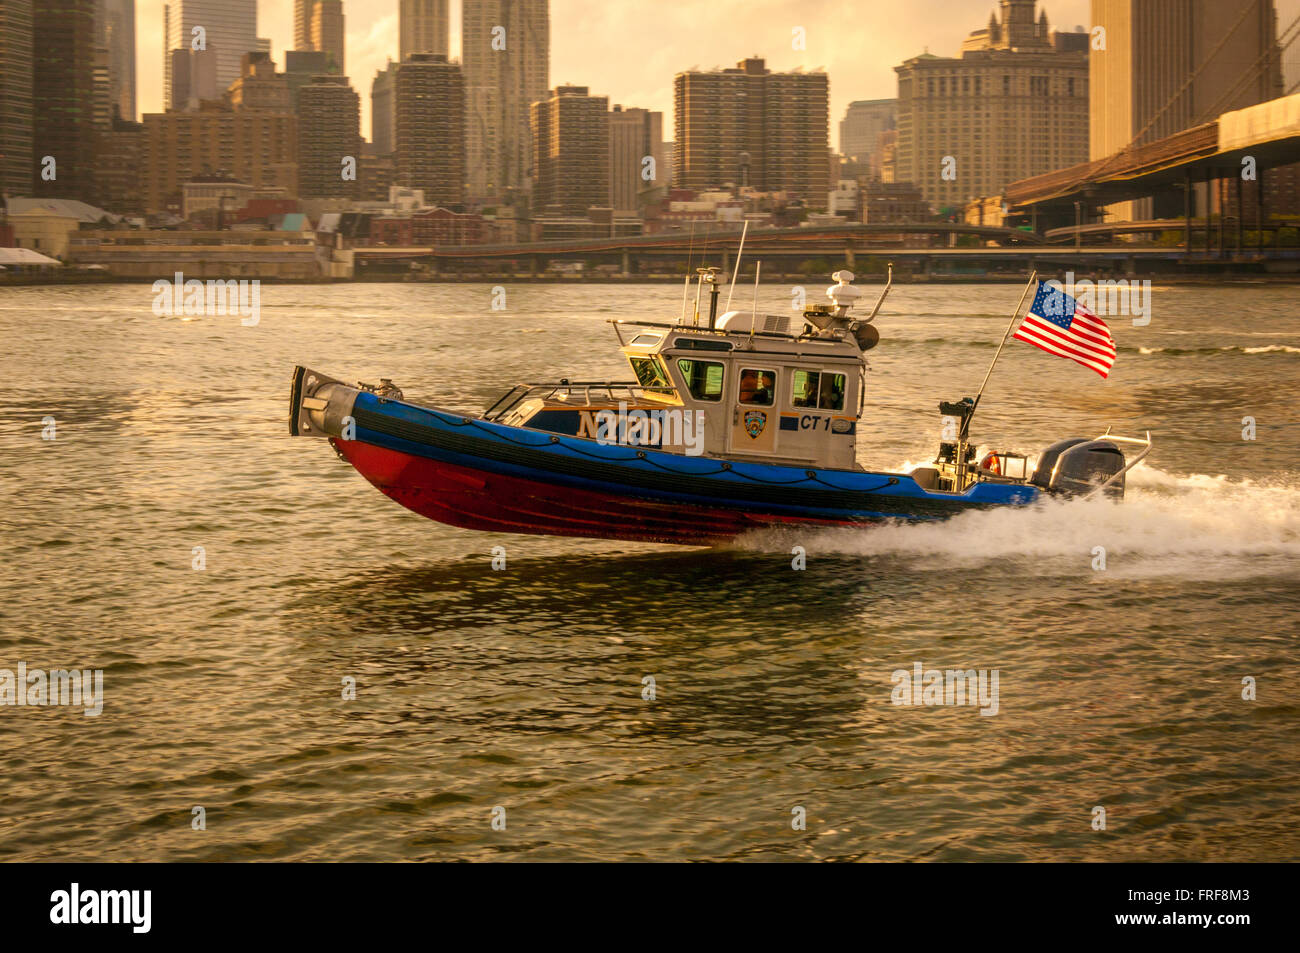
733 422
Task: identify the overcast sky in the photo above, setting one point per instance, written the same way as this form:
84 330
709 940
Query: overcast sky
629 50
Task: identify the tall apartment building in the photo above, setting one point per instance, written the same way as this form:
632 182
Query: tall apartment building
259 86
1173 64
423 26
302 24
634 136
329 132
17 164
383 110
1012 105
327 32
570 151
192 77
63 82
748 126
861 127
229 29
505 54
255 146
119 38
118 170
430 127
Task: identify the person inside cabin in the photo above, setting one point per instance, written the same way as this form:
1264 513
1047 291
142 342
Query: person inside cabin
805 389
757 387
832 397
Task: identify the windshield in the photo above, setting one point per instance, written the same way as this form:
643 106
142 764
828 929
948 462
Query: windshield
651 374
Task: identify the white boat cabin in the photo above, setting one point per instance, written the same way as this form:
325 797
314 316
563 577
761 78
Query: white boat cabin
736 386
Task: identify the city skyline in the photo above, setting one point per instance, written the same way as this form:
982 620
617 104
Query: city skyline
860 60
857 52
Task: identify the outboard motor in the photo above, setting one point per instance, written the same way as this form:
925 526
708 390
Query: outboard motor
1077 466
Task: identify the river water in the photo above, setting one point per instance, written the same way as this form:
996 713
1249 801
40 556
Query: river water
522 689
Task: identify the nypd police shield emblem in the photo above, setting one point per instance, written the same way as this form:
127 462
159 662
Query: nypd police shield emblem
755 421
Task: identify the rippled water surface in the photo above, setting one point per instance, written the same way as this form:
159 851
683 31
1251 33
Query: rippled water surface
522 688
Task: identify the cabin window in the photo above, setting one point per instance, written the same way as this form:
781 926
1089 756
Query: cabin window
703 378
646 340
650 373
757 387
824 391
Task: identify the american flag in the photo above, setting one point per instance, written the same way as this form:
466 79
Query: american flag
1060 325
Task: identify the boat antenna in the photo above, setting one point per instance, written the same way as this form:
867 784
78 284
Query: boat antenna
753 323
699 287
686 282
1015 315
889 283
735 271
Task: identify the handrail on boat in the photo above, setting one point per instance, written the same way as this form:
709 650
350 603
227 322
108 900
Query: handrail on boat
629 390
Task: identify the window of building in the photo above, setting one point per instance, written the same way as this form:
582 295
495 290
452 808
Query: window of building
703 378
757 387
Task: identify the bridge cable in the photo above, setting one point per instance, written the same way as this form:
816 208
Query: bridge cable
1108 163
1260 64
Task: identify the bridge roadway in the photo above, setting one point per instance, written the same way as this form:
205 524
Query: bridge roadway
1112 259
716 244
1268 135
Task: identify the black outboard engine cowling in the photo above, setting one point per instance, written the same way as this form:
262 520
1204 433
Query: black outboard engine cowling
1077 466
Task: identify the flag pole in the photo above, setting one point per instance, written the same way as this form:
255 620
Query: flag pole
1015 315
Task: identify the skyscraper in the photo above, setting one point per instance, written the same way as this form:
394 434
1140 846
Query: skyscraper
193 78
228 28
1169 65
329 134
119 29
17 164
505 54
747 126
431 127
634 136
1012 105
861 127
570 151
63 55
423 27
327 31
259 86
383 110
302 24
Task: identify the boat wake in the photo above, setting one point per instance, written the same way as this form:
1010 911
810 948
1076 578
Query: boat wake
1196 526
1240 349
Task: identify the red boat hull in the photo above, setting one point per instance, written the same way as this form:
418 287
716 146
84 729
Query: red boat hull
473 499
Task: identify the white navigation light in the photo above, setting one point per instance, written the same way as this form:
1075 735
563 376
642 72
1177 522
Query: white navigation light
844 293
